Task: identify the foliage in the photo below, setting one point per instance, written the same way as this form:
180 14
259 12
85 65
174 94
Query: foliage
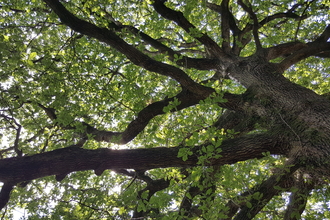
158 86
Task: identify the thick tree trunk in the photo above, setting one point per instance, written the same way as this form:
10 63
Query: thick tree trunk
297 113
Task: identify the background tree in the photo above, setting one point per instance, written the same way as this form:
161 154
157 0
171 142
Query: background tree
182 109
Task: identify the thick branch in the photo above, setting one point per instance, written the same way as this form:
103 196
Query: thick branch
64 161
298 199
240 201
152 187
185 98
325 35
283 50
5 194
312 49
268 189
231 19
225 27
206 188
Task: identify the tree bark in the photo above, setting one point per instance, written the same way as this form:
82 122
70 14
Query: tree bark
64 161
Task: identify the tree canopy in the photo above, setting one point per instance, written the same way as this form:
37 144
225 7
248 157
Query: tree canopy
165 109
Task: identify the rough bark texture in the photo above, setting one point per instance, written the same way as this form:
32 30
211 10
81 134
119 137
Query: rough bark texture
64 161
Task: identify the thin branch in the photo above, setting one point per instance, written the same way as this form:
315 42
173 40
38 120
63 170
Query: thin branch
3 151
179 18
49 111
255 29
187 201
281 15
243 36
16 143
299 21
18 129
175 56
233 206
186 99
25 11
162 49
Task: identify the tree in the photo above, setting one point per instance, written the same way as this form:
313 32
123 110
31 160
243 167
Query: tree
182 109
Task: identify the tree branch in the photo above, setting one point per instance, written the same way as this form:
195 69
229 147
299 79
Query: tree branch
14 124
178 18
255 29
325 35
184 61
281 15
185 98
5 194
134 55
205 188
283 50
298 199
240 37
267 190
234 205
319 47
186 203
187 62
152 187
312 49
231 19
244 39
66 160
225 26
